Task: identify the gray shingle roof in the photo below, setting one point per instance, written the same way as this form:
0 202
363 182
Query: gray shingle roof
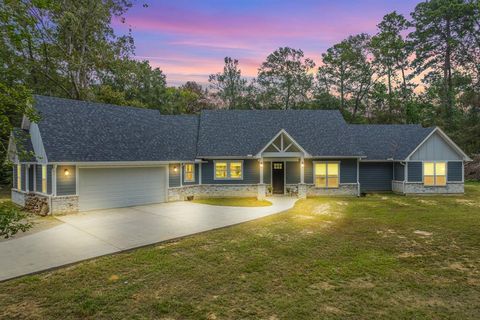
75 130
381 142
244 132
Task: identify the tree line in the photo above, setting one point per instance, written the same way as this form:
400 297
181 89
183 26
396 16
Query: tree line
419 69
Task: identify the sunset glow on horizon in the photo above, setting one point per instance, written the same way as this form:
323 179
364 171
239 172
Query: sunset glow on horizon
188 40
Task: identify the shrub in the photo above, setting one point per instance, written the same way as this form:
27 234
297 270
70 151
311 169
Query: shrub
12 220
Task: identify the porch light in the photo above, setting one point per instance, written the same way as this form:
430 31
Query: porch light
261 164
302 164
175 169
66 172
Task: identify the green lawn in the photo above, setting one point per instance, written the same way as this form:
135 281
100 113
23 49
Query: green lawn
235 202
382 256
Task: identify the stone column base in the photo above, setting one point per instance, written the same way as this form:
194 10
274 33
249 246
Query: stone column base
302 191
261 191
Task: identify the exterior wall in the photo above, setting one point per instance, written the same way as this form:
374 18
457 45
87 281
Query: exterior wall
196 173
64 204
174 177
415 171
455 171
348 170
292 172
38 180
397 186
436 148
267 172
212 191
308 170
19 197
251 173
376 176
398 171
419 188
49 179
31 178
66 185
342 190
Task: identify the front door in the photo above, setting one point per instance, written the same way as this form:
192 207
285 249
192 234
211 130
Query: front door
278 177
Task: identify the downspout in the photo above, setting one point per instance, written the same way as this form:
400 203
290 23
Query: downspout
358 177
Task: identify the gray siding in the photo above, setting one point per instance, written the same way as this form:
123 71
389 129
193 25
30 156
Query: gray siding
31 178
398 171
196 173
14 177
49 178
251 173
454 171
415 171
308 170
376 176
267 172
174 177
66 185
348 171
23 177
292 173
436 148
38 174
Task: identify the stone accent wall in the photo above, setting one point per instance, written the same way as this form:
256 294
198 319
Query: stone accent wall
342 190
261 191
419 188
212 191
397 186
64 204
18 197
302 191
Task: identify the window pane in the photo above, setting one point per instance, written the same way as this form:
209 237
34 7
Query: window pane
428 169
320 181
235 170
333 169
44 179
332 182
220 170
189 172
320 169
441 181
440 168
429 180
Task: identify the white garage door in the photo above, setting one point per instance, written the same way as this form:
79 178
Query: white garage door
102 188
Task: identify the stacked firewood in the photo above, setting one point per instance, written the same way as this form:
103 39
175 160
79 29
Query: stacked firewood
37 204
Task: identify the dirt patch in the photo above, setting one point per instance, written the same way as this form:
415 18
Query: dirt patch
22 310
302 217
322 286
466 202
361 283
457 266
404 255
322 209
39 224
423 233
428 202
332 309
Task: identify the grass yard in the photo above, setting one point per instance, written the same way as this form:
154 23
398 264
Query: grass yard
235 202
383 256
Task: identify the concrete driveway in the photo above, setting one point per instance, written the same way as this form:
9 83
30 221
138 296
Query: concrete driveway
96 233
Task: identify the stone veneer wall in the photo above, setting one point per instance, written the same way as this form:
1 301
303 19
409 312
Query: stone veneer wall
419 188
397 186
64 204
18 197
212 191
342 190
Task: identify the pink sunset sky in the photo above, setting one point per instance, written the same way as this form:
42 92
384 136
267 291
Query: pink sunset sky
188 40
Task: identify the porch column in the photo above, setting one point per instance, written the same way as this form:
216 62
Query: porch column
302 171
261 171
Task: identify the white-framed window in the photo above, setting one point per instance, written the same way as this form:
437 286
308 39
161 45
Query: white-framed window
44 179
326 174
434 173
228 170
19 177
189 172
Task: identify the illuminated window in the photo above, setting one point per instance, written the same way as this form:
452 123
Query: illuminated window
44 178
19 176
189 171
278 166
434 173
326 174
228 170
236 170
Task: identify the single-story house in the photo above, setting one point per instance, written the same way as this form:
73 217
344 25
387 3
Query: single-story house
94 156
